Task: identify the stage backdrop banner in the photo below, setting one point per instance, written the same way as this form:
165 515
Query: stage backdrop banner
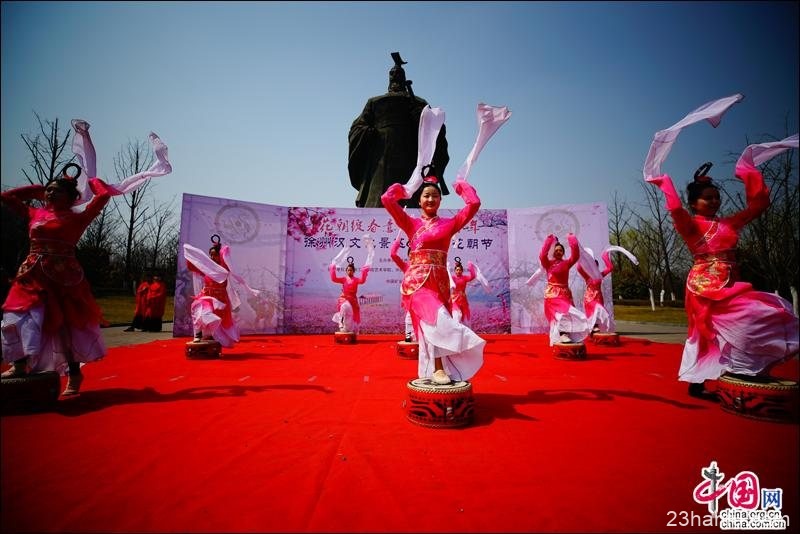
316 235
256 236
528 228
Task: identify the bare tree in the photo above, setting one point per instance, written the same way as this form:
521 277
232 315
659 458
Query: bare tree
661 252
46 150
131 159
161 229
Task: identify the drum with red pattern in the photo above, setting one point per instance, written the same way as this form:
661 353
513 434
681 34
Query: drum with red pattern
569 351
408 350
439 406
206 349
766 398
31 393
346 338
605 338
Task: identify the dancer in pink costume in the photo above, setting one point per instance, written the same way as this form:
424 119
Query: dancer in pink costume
458 295
567 323
403 266
51 321
446 347
212 307
732 327
348 312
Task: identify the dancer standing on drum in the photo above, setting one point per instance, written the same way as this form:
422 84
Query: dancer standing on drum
51 321
732 327
447 349
212 312
348 311
567 323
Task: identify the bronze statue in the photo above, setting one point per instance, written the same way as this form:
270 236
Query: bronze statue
383 141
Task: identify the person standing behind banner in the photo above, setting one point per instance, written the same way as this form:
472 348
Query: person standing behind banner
348 312
447 348
141 304
410 336
567 323
459 294
156 302
732 327
212 313
51 321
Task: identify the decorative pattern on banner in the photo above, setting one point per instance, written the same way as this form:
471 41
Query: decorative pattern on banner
528 228
256 236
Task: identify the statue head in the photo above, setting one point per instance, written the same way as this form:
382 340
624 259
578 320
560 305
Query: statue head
397 80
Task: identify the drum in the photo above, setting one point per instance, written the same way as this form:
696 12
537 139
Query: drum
205 349
32 393
606 338
347 338
439 406
569 351
766 398
408 350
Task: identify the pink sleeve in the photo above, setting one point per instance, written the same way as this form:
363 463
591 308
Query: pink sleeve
101 197
395 256
609 264
364 272
472 272
334 278
757 194
543 259
390 200
473 203
574 249
16 198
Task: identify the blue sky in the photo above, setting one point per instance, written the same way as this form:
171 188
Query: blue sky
255 100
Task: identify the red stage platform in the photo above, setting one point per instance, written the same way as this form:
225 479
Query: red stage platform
299 434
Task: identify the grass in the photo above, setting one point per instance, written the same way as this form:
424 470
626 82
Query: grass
643 314
118 310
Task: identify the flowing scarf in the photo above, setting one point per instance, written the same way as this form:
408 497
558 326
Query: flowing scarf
84 151
664 139
755 155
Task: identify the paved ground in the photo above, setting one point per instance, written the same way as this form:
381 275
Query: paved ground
115 336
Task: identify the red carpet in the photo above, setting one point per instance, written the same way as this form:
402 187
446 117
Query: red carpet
295 433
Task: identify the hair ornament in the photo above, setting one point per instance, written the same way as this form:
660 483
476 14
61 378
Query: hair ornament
700 175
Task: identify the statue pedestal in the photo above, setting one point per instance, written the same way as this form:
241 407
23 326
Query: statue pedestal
347 338
408 350
435 406
205 349
606 338
765 398
569 351
32 393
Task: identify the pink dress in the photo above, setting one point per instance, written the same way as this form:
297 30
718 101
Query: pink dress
559 310
211 309
593 303
50 308
349 291
732 327
458 298
425 288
